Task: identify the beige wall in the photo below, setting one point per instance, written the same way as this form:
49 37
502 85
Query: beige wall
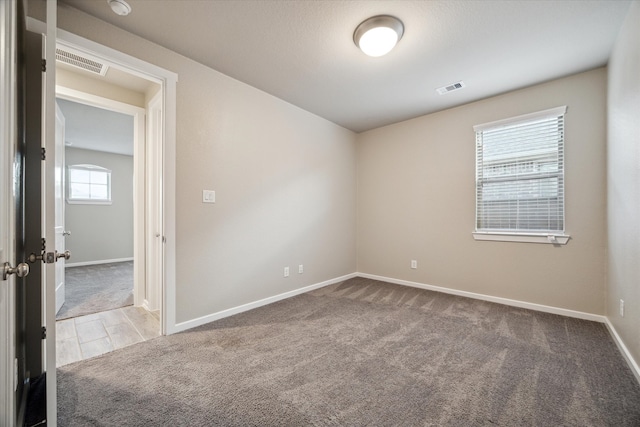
416 200
102 232
284 180
623 177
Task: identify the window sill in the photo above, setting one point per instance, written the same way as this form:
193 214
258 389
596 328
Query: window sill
552 239
89 202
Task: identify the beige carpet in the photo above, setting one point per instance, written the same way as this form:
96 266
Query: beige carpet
362 353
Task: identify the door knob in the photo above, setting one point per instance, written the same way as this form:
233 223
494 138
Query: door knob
20 270
65 255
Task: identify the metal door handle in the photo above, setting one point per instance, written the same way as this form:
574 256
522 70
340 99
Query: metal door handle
65 255
66 233
20 270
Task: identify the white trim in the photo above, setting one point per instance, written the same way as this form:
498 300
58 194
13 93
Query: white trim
8 87
168 311
499 300
102 261
633 365
88 202
48 211
553 239
551 112
183 326
153 196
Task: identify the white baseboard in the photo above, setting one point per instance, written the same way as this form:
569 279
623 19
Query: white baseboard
623 349
102 261
182 326
483 297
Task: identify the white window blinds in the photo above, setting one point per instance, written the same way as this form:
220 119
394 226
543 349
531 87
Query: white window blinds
520 174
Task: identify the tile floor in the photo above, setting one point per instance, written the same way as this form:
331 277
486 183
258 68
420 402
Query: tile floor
88 336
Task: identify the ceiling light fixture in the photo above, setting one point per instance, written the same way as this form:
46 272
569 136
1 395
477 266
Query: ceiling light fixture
376 36
120 7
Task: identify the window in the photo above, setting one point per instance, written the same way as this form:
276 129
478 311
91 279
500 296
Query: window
520 178
89 184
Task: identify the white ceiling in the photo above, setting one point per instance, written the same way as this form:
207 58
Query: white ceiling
303 51
96 129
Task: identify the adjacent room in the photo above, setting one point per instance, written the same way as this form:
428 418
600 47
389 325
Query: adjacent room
444 232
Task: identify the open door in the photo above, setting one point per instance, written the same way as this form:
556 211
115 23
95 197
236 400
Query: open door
27 397
59 207
22 367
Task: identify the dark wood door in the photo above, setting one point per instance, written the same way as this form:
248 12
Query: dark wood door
28 226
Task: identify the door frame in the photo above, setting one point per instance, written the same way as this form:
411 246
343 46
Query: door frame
8 129
167 81
140 238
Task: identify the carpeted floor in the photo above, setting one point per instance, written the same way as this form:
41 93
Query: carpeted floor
362 353
95 288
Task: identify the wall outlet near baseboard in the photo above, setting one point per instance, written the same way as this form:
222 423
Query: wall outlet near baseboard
301 269
414 264
621 308
286 272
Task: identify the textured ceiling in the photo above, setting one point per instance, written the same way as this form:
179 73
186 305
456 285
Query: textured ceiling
303 51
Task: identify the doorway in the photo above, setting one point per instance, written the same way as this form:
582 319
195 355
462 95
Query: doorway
97 209
111 294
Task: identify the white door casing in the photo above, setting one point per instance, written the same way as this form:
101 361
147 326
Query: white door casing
7 213
154 253
49 208
59 188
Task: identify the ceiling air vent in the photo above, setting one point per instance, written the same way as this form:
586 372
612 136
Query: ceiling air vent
80 60
450 88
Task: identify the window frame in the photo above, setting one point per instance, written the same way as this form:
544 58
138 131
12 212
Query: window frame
555 237
88 201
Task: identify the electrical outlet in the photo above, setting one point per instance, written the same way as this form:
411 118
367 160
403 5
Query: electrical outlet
414 264
301 269
286 272
621 308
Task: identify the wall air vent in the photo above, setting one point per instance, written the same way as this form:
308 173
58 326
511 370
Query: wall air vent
450 88
80 60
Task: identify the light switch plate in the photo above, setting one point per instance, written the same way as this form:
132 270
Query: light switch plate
208 196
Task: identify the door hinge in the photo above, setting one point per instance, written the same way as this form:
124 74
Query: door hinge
44 332
43 152
44 65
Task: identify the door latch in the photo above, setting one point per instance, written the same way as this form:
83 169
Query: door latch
33 257
65 255
49 257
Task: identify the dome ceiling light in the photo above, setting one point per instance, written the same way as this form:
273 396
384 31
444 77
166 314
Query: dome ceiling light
377 35
120 7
